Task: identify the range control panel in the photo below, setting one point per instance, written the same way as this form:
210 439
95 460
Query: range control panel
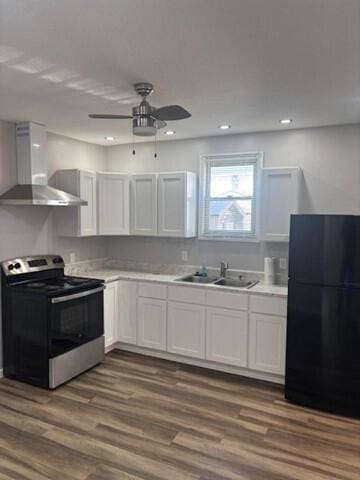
35 263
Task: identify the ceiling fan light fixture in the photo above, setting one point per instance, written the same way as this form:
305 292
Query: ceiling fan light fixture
144 126
143 131
169 132
285 121
224 127
109 138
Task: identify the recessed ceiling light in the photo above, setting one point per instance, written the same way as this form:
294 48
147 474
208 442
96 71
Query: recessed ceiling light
169 132
36 145
109 138
285 121
224 127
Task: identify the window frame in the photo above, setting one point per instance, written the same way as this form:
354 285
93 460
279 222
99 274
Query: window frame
243 158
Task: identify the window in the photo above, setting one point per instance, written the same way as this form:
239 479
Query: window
229 187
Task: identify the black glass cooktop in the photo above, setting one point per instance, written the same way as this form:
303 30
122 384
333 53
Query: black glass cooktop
60 284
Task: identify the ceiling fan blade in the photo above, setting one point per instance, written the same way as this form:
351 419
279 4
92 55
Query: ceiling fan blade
109 117
171 112
160 124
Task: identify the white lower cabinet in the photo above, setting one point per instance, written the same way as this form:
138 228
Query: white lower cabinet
110 313
184 321
127 312
227 336
151 323
186 329
267 343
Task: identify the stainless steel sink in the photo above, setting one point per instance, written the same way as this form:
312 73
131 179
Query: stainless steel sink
197 279
224 282
231 282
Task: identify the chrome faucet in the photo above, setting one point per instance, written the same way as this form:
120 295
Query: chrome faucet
223 269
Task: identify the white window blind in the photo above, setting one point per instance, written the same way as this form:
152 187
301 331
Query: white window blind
228 196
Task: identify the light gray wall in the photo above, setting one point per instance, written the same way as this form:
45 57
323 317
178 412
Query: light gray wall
329 158
31 230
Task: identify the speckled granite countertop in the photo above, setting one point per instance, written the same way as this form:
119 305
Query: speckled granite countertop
113 274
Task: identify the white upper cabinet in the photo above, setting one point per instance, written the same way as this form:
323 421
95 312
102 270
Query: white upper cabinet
163 204
177 204
146 204
280 199
113 203
77 221
143 196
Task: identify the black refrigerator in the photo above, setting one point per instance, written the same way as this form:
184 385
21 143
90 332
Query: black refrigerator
323 327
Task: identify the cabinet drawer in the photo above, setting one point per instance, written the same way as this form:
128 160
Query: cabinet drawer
237 301
187 294
268 305
152 290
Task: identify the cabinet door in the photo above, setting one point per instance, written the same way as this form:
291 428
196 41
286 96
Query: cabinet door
172 204
143 204
127 312
186 329
177 204
280 198
151 323
88 213
227 336
113 203
267 343
110 313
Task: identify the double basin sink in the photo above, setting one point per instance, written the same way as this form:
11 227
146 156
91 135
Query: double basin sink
225 282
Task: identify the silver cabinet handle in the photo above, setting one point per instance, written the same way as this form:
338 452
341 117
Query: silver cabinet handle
67 298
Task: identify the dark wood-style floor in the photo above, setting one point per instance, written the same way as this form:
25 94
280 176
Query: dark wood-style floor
137 418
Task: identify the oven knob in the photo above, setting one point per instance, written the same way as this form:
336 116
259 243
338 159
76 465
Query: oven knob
57 260
11 267
17 265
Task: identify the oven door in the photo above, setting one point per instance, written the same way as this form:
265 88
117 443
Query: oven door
75 319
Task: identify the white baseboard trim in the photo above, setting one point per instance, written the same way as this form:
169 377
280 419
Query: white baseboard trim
108 348
268 377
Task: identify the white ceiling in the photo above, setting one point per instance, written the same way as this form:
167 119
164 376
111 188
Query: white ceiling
244 62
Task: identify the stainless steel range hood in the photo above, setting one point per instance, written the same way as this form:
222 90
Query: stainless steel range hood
32 187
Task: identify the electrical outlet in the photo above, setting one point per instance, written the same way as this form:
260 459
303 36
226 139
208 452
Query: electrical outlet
72 257
184 255
282 263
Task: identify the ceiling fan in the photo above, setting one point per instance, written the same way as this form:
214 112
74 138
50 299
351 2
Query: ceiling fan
147 119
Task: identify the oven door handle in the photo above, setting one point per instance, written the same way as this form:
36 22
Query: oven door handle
67 298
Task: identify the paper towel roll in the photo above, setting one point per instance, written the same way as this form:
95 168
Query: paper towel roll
269 270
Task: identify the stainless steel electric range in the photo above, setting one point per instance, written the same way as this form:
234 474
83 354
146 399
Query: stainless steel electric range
53 325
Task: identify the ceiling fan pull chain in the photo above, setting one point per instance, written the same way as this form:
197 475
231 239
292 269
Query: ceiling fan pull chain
133 145
155 154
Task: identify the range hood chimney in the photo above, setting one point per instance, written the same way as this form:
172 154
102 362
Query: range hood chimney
32 187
